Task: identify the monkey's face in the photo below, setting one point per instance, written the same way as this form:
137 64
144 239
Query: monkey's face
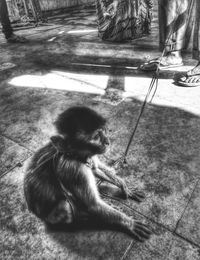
96 142
83 130
100 140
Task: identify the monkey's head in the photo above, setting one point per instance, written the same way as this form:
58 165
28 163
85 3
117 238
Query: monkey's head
83 129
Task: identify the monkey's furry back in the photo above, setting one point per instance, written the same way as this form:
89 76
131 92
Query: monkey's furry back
40 182
48 165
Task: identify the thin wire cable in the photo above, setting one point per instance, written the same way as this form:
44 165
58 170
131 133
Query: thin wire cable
154 81
123 157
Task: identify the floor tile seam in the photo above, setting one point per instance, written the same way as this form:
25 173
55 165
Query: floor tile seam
17 165
127 251
175 232
189 241
14 141
79 81
187 204
162 226
130 246
184 239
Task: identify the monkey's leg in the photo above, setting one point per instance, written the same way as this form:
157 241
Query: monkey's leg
108 174
88 194
112 187
62 213
115 191
66 213
105 170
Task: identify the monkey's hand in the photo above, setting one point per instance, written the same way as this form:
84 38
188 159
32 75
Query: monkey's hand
137 196
140 231
131 193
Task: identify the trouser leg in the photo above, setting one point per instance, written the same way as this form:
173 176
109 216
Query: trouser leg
196 40
4 18
173 15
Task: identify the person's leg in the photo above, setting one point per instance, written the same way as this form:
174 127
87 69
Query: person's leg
196 40
173 16
4 18
192 77
6 25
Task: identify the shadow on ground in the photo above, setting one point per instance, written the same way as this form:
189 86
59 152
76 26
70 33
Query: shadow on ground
63 66
163 162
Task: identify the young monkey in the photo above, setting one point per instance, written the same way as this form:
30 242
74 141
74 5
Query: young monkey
61 185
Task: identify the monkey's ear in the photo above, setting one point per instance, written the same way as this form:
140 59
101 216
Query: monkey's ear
59 143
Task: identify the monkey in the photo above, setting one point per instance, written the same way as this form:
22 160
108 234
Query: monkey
65 178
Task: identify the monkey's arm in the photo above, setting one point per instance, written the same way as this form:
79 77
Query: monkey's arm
87 193
107 173
101 175
104 172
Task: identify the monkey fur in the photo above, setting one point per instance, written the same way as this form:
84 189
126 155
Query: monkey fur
65 178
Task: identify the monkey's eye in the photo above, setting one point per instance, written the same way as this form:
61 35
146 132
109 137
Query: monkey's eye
96 137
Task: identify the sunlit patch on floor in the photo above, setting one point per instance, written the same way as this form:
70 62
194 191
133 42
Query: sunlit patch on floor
87 83
134 87
51 39
82 31
167 93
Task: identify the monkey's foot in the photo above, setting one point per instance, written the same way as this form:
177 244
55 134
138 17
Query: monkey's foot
138 196
140 231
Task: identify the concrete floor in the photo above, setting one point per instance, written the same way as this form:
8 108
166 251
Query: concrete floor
65 64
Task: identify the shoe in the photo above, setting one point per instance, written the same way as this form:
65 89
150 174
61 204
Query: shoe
16 39
165 62
188 81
